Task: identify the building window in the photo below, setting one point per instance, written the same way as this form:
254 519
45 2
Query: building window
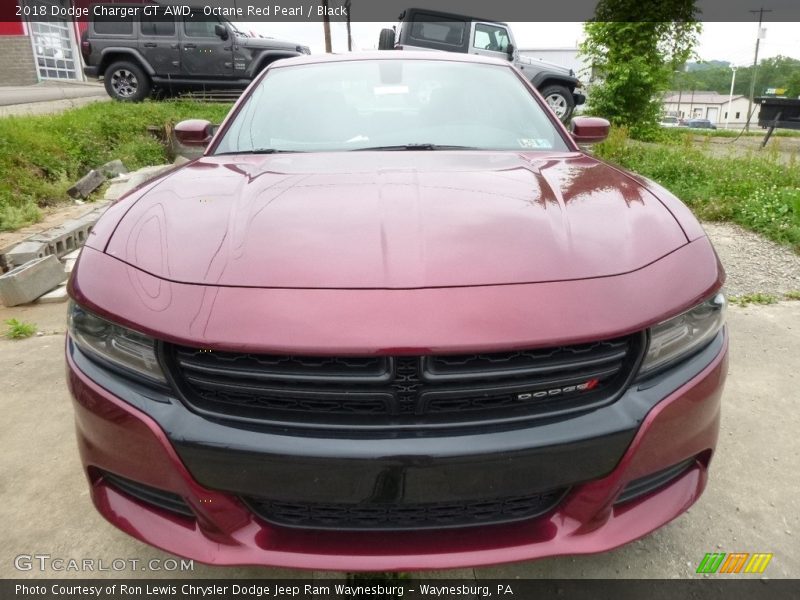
737 115
726 114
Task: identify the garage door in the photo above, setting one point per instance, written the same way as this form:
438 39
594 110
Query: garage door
54 47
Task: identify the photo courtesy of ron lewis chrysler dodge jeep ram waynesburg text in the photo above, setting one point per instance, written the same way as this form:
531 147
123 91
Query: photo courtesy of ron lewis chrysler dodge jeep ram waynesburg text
393 319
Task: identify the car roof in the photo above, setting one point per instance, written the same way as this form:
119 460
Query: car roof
390 55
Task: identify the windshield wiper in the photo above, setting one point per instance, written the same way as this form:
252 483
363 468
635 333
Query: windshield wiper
417 147
258 151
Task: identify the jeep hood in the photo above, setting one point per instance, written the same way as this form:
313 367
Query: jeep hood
394 220
550 66
267 44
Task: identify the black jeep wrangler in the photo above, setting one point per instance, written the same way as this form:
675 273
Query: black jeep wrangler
138 55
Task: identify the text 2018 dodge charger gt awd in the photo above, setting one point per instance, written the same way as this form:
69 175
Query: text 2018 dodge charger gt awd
395 318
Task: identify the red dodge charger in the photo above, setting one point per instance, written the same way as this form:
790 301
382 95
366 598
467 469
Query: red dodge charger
395 318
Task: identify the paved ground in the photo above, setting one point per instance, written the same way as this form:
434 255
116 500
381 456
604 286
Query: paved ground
48 97
751 505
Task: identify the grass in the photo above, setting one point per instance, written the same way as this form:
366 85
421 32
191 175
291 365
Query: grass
760 298
42 156
18 330
757 191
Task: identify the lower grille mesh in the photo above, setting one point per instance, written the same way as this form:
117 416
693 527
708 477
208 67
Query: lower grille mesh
404 516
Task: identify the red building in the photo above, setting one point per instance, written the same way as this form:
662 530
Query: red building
35 50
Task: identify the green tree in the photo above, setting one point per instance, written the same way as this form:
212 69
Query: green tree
634 48
777 72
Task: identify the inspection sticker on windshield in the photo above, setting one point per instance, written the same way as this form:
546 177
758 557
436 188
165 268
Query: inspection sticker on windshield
533 143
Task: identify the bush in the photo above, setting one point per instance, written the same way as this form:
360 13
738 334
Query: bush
40 157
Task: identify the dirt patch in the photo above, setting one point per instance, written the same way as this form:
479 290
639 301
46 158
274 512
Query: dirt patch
754 264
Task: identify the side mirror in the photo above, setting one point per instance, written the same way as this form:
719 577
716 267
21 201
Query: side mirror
510 49
194 132
221 31
589 130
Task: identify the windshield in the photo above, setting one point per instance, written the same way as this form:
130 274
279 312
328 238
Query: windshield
397 104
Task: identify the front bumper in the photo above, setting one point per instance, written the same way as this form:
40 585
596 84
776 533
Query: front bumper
151 438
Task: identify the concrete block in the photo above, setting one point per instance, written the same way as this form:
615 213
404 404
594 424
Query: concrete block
27 282
59 294
25 251
113 168
135 179
69 236
87 184
117 190
146 174
72 255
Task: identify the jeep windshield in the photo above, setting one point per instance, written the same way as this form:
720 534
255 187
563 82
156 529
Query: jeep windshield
398 104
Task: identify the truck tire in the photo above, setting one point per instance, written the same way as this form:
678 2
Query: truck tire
386 39
127 82
560 99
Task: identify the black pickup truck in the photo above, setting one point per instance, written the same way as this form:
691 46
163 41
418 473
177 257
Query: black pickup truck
138 55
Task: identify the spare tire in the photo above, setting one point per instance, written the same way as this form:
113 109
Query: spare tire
386 40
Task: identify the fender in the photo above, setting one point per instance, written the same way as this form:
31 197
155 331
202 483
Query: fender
132 52
269 56
570 82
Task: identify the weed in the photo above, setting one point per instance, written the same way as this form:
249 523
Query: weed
18 330
757 298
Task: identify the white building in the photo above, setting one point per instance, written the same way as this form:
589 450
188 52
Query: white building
707 105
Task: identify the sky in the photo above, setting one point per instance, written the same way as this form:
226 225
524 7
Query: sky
733 42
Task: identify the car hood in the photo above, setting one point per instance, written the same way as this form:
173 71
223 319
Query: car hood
394 220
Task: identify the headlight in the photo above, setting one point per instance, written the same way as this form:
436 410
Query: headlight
678 337
114 344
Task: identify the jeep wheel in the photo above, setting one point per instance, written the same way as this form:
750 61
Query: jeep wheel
386 39
125 81
560 100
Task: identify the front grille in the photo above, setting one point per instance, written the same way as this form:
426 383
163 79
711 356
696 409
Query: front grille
403 391
405 516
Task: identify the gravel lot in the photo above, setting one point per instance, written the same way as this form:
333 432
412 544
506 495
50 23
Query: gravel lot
752 263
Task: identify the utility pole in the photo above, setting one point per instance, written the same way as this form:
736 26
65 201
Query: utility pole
730 97
347 7
326 27
760 12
